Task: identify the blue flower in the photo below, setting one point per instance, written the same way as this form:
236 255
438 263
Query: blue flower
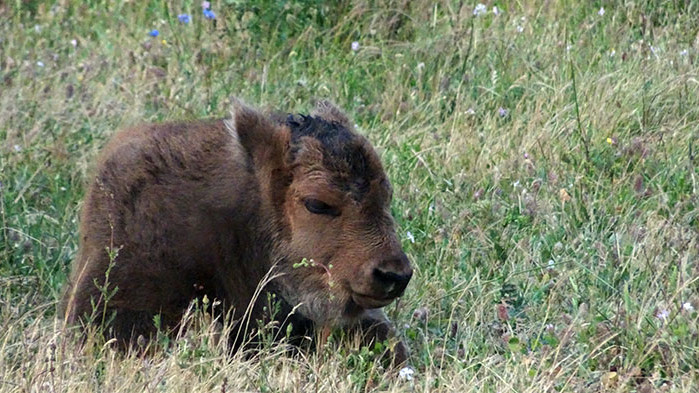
153 33
209 14
184 18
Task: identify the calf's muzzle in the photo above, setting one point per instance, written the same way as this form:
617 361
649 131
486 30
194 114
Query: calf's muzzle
393 274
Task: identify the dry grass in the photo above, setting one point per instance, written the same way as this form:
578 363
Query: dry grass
544 163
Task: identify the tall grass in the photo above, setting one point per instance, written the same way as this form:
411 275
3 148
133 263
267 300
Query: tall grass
544 161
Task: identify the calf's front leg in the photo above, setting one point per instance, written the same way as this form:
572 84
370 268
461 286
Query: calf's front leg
374 327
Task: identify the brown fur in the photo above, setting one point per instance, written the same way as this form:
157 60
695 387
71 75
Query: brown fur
208 208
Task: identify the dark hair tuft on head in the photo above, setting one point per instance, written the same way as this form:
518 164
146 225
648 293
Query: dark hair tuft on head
345 152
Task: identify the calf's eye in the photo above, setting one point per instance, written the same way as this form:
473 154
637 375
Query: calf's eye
316 206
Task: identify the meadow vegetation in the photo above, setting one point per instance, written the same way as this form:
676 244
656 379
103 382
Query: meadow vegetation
543 156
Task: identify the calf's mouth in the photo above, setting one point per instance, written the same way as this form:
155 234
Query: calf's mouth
369 301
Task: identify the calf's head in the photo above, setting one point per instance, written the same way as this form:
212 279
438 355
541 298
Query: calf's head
332 201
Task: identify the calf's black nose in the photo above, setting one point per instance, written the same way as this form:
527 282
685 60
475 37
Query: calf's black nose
393 282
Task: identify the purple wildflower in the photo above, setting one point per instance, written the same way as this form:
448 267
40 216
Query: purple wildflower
154 33
208 14
184 18
205 5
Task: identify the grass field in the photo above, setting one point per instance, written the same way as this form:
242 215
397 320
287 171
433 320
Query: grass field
543 155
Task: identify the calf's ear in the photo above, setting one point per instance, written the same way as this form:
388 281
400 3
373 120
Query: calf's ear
329 112
256 131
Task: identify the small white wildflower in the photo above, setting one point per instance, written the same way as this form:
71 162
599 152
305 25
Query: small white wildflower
549 326
569 47
74 42
480 9
406 373
612 52
663 315
37 28
62 188
687 306
420 66
470 112
40 63
410 237
684 52
654 50
520 29
355 46
17 148
551 264
601 11
503 112
496 10
515 184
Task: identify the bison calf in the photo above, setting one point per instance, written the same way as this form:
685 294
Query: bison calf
179 211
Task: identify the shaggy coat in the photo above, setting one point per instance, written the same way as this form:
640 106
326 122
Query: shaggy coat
179 211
